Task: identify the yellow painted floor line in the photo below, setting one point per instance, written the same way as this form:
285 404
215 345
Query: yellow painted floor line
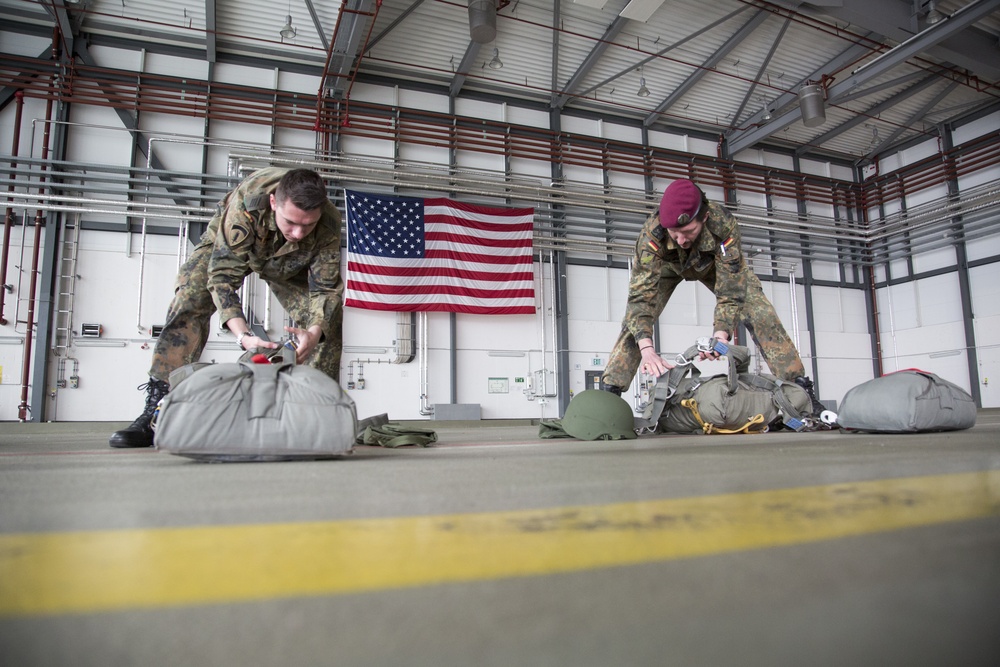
78 572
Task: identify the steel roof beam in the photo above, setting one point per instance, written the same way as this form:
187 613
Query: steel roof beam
554 67
730 44
471 52
317 24
346 43
57 12
7 92
874 68
760 73
917 44
973 50
664 50
588 63
210 30
757 130
868 113
898 81
913 119
392 26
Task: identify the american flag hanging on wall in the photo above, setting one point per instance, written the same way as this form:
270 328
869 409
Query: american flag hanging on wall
415 254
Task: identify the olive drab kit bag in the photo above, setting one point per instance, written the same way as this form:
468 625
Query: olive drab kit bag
262 408
908 401
683 401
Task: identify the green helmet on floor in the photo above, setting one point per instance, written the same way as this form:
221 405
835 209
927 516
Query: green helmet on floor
599 415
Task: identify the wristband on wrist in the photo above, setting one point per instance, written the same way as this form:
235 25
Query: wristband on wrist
239 339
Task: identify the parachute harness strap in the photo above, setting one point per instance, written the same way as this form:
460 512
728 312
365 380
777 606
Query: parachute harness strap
709 429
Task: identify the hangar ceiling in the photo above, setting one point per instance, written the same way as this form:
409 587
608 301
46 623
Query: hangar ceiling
887 72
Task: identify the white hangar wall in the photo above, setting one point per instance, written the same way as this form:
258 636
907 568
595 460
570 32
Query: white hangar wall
508 365
922 321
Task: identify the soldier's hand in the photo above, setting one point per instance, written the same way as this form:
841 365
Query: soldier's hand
251 342
652 363
306 341
718 335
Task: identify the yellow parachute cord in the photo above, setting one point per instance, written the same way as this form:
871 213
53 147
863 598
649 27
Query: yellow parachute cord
709 429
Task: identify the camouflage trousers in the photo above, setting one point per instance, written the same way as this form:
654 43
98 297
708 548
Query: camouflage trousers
758 317
187 328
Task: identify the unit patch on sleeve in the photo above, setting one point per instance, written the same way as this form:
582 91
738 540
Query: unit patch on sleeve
238 232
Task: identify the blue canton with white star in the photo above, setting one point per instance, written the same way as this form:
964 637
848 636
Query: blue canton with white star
385 226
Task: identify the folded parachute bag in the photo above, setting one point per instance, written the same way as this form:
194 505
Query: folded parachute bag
378 431
246 411
910 401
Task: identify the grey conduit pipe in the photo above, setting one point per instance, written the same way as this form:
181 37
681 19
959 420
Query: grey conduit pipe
8 220
22 408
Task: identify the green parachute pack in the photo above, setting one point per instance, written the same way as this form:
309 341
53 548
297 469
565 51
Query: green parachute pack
683 401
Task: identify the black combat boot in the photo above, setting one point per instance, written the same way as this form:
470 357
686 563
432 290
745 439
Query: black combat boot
807 384
140 433
617 391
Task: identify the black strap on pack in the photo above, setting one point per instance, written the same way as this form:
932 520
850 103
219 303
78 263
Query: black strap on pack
666 384
794 419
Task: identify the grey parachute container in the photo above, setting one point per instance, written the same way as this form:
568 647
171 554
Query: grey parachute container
247 411
909 401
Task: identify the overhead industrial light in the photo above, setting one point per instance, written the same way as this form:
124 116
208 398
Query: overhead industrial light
496 63
933 15
643 90
811 105
876 140
287 31
765 109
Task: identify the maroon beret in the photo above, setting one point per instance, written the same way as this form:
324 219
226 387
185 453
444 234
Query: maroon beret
680 204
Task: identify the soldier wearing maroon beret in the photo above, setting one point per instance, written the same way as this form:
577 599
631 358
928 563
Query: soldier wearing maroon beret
691 238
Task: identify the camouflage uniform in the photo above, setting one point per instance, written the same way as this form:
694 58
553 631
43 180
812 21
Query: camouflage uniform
715 259
242 237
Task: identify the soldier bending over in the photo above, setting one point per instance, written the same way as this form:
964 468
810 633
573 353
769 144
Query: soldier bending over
694 239
279 224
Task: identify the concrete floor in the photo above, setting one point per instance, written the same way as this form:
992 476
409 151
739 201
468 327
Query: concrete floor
777 549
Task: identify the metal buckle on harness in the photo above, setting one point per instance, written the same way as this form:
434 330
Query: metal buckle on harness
681 360
796 425
706 344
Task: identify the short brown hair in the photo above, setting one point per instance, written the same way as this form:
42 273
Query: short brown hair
302 187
